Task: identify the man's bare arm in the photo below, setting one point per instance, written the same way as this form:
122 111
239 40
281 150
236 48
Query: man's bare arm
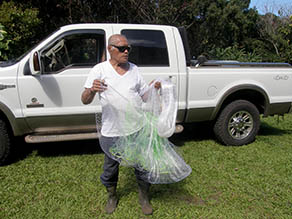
87 96
89 93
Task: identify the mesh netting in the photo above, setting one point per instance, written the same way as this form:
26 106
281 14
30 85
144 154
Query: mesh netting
148 149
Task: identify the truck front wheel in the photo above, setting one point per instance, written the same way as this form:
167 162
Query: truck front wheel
238 123
4 142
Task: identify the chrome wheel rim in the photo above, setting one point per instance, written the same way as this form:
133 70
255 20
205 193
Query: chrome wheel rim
240 125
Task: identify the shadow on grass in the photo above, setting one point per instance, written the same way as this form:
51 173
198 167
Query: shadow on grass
18 151
128 184
167 193
192 132
204 131
68 148
177 193
21 149
266 130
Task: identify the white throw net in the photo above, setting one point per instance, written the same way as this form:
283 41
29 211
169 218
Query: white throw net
148 149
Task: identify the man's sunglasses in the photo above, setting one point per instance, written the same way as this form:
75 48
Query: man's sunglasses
123 48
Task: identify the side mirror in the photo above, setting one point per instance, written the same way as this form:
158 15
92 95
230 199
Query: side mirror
201 60
34 63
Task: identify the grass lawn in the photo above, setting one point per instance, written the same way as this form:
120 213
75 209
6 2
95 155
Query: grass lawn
61 180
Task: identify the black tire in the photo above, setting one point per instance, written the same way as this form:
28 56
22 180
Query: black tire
5 142
238 123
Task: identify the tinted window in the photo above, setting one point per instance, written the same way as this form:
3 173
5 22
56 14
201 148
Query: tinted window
80 49
148 47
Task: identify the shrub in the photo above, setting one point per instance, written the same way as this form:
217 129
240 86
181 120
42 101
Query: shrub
235 53
20 24
3 43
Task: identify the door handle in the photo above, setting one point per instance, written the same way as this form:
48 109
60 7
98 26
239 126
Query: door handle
172 79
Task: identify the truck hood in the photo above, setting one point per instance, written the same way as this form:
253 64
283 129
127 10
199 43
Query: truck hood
11 62
8 69
8 63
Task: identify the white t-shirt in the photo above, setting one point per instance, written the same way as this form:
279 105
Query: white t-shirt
123 94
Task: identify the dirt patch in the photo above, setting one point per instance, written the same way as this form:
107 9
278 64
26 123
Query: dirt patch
195 200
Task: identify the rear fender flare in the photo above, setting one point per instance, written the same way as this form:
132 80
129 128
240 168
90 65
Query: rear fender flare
239 88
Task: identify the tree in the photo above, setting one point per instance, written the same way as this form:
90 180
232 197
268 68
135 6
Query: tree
213 26
285 32
210 23
57 13
20 24
222 24
4 43
152 12
276 35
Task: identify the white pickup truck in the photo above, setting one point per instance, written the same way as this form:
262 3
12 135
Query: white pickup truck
40 91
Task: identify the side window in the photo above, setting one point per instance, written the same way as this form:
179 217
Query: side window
148 47
74 50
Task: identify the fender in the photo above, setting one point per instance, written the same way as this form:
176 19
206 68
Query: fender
243 87
18 125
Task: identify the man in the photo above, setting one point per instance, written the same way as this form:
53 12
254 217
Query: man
124 77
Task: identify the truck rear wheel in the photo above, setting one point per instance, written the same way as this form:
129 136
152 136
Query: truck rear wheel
238 123
5 142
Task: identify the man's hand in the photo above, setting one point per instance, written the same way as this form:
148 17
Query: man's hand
157 84
89 93
98 86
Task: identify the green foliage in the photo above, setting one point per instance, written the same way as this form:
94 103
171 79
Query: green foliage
55 14
223 24
3 43
21 26
285 32
276 35
234 53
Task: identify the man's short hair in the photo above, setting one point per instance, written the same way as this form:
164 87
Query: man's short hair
114 39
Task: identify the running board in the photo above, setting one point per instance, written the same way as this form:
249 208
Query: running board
63 137
73 137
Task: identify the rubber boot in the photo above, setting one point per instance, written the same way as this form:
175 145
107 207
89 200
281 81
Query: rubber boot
144 197
112 201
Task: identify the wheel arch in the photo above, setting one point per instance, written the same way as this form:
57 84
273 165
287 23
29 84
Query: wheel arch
251 93
16 126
